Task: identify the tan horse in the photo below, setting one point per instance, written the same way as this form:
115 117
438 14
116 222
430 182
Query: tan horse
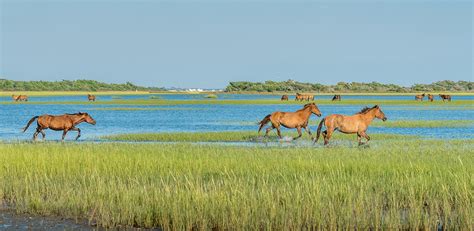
298 120
357 123
420 97
284 98
301 97
91 97
20 98
336 97
430 97
445 97
66 122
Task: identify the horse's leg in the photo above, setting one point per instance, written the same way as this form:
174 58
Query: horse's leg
43 134
78 132
268 130
299 133
35 135
328 135
359 137
64 134
278 130
365 136
306 128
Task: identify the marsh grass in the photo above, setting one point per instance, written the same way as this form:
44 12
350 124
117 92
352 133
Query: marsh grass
401 185
469 104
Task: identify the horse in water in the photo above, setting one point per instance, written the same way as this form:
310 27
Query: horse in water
357 123
430 97
284 98
420 97
298 120
66 122
336 97
20 97
91 97
445 97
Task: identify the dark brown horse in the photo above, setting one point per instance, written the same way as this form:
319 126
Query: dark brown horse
91 97
66 122
430 97
357 123
336 97
284 98
20 97
445 97
420 97
298 120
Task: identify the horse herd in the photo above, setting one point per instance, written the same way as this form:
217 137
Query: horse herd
17 98
431 97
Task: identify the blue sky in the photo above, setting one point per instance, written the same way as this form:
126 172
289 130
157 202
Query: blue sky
209 43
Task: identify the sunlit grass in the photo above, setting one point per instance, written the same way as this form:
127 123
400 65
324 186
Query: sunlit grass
403 184
464 103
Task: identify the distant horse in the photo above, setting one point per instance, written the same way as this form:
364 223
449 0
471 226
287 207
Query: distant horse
445 97
284 98
420 97
91 97
336 97
20 98
357 123
430 97
66 122
298 120
301 97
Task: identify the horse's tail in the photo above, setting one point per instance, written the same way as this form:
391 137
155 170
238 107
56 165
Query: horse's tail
263 122
319 130
29 123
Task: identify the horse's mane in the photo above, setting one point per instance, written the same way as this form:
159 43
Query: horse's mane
78 113
366 109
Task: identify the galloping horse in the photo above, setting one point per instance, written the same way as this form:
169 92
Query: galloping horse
430 97
20 97
445 97
91 97
284 97
420 97
336 97
357 123
66 122
298 119
301 97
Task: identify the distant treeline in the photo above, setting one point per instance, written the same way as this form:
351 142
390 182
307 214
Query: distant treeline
69 85
294 86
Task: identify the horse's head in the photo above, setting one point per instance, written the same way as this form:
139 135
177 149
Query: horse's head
423 94
87 118
314 109
379 113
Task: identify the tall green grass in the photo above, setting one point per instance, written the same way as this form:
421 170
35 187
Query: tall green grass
401 185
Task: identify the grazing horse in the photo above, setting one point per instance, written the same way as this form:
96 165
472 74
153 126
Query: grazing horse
445 97
301 97
20 97
91 97
420 97
336 97
298 120
430 97
357 123
284 97
66 122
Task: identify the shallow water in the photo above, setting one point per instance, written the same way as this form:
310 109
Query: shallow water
200 118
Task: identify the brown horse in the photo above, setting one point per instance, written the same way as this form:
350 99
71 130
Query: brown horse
430 97
301 97
91 97
20 97
284 98
66 122
357 123
420 97
336 97
298 120
445 97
